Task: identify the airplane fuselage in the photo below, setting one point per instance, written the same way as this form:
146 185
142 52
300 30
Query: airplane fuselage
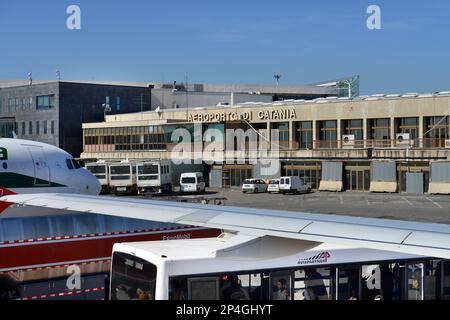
34 167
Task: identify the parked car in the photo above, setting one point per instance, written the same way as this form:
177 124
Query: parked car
192 182
273 186
254 185
293 185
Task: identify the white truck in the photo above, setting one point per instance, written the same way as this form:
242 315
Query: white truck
154 177
122 177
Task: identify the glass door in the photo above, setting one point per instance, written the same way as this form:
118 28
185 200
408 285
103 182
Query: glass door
226 178
358 180
414 281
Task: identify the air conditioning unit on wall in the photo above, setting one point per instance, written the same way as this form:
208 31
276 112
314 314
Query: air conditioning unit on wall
403 140
348 141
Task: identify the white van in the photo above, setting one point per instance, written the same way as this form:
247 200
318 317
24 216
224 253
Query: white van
293 185
192 182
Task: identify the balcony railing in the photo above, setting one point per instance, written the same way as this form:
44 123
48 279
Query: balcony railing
426 143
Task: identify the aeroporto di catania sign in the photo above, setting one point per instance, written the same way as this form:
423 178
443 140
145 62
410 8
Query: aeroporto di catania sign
257 115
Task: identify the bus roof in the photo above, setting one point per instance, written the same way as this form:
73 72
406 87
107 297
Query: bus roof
239 253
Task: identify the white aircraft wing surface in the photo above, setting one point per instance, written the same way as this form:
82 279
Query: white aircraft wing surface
431 240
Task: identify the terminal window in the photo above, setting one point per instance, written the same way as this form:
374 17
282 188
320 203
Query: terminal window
45 102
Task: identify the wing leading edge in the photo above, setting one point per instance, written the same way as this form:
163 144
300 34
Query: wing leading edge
431 240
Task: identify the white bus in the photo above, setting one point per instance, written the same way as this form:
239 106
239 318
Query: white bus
154 177
122 177
271 268
100 170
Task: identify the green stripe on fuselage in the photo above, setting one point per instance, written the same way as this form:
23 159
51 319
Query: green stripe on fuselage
15 180
3 154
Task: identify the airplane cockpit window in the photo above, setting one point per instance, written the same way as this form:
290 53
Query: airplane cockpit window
69 164
5 165
76 164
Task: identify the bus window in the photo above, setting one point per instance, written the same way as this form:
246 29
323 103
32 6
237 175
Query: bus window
313 284
178 289
446 281
132 278
431 280
281 284
414 281
383 282
203 288
348 283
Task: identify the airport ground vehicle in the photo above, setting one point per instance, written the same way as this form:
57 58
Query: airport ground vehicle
173 271
122 177
154 177
39 247
273 186
293 184
263 242
100 170
254 185
192 182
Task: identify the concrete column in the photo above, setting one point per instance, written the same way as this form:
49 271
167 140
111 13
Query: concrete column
365 133
291 135
268 136
338 133
392 127
420 143
314 133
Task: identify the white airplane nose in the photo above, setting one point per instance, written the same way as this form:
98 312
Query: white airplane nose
95 187
90 184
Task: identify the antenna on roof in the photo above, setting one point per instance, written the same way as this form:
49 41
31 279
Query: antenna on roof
277 78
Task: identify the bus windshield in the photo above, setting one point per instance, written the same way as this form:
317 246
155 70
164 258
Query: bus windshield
132 278
97 169
148 169
121 169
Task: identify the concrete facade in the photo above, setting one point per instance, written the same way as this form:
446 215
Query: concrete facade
72 105
381 124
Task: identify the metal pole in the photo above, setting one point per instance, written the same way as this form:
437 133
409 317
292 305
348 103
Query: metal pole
187 97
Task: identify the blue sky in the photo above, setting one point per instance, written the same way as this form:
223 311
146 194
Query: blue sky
230 42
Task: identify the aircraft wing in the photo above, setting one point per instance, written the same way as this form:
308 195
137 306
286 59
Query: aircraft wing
430 240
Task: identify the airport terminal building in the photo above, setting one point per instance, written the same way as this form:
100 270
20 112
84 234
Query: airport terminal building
53 111
382 143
